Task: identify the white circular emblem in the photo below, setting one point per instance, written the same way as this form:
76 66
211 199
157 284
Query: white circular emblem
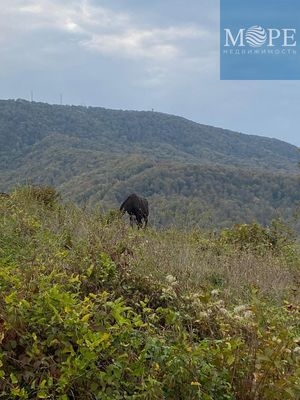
256 36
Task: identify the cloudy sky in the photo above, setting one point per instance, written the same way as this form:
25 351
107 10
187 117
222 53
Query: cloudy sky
137 54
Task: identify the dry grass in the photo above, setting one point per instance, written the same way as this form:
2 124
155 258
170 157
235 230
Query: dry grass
195 260
194 266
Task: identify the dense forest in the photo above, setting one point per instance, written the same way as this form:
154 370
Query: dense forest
193 174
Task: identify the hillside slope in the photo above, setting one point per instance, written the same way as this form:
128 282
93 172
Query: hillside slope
192 173
23 124
92 309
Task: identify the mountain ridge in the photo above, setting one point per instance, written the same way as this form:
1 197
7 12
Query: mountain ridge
146 130
97 155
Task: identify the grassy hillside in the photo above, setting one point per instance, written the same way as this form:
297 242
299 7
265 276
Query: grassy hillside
193 174
91 309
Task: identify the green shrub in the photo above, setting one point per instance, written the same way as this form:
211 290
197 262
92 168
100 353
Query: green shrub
46 195
256 237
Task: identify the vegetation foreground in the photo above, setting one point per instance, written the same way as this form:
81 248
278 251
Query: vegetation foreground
92 309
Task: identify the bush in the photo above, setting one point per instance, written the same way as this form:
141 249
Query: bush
46 195
256 237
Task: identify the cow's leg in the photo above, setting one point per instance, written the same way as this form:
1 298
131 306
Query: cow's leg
139 222
146 222
131 220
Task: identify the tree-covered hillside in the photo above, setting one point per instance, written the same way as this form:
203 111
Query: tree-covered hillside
193 174
158 135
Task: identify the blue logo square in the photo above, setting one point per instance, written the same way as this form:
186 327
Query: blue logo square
258 40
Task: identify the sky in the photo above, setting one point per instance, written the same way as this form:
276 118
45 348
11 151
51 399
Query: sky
137 55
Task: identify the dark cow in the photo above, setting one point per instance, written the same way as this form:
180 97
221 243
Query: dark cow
137 208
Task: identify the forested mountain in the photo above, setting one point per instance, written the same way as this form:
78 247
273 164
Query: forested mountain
193 174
